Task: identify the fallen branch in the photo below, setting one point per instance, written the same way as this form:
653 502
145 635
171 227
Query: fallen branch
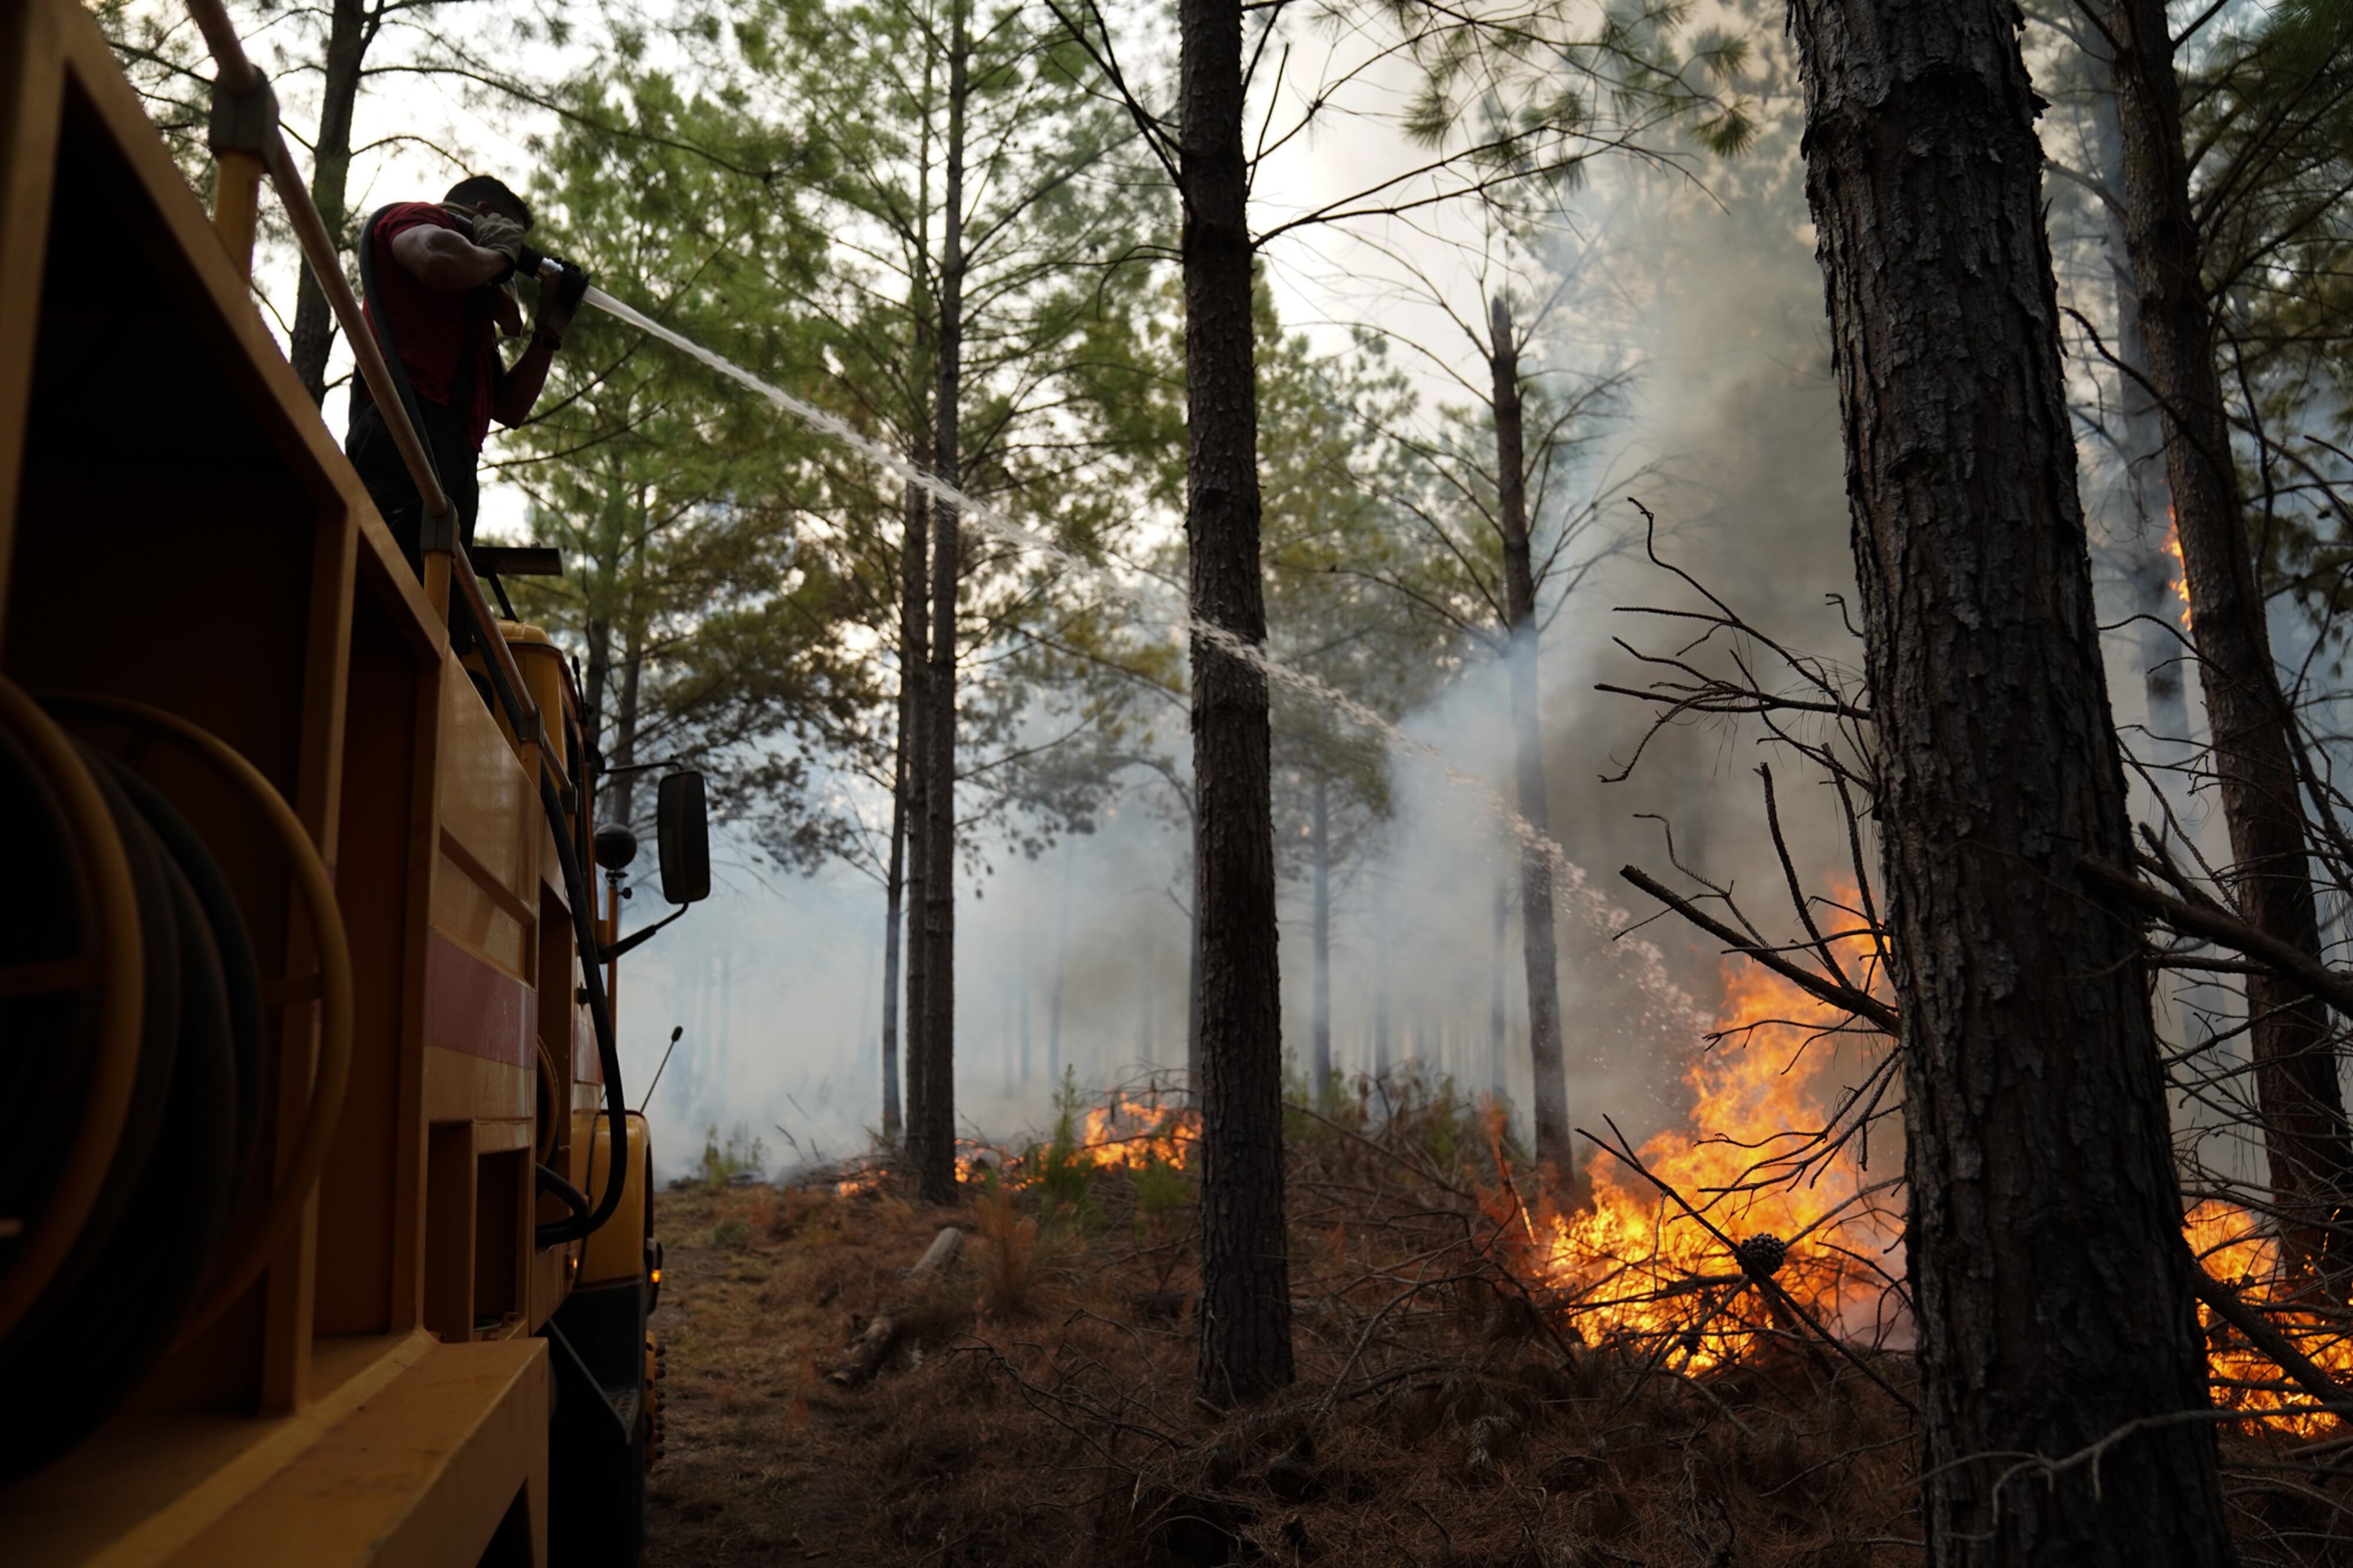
873 1347
2228 1307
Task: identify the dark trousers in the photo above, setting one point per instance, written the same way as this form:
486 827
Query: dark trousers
369 448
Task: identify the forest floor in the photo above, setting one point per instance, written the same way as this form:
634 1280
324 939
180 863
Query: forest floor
1039 1409
1453 1408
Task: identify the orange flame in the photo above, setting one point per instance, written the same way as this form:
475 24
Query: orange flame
1128 1133
2180 569
2236 1250
1637 1264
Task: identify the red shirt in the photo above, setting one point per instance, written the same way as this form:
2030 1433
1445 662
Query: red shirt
432 327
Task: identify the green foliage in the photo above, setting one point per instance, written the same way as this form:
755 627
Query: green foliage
1162 1195
1052 357
1525 99
163 57
1332 542
706 606
741 1154
1060 1172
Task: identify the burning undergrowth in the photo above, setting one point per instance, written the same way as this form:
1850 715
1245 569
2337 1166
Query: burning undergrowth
1701 1359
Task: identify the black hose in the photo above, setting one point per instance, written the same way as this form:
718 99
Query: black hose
549 1182
89 1349
600 1012
240 972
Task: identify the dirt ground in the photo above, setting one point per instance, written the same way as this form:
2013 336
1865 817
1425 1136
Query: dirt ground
759 1462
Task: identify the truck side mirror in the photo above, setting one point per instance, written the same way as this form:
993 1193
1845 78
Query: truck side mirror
683 834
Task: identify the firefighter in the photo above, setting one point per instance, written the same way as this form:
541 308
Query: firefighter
439 280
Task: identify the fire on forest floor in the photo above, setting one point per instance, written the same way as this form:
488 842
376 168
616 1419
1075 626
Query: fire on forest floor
1702 1361
1444 1412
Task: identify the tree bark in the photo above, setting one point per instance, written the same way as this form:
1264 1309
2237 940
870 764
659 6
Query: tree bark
350 30
1320 1077
2139 441
2047 1270
893 893
1496 1079
1062 973
1193 1002
598 635
1539 950
931 1140
1245 1307
625 729
915 711
2304 1133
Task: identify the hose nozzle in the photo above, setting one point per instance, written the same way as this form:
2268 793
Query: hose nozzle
547 268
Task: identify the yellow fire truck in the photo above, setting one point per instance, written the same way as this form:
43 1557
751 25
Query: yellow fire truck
325 1227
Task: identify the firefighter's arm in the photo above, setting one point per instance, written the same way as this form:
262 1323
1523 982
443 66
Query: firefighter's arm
443 259
519 384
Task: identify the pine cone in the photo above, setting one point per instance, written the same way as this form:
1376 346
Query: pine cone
1760 1255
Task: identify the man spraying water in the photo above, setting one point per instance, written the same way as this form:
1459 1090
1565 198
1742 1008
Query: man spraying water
439 286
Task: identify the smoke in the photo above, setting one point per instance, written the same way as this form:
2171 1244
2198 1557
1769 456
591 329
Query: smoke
1729 433
1704 289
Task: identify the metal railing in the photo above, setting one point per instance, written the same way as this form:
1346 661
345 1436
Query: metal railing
250 133
247 140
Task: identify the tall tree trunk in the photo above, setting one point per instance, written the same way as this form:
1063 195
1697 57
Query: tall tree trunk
1193 1001
598 635
1381 951
2304 1133
1496 1069
2047 1269
1539 950
350 30
914 725
1320 1079
914 635
2139 496
894 882
1061 973
1245 1307
624 728
931 1143
1148 1040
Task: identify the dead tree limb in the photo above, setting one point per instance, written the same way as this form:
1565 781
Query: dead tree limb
1761 1278
1861 1003
2215 924
2228 1307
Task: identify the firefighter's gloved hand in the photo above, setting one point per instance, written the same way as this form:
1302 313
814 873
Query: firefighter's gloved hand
566 292
493 231
558 297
